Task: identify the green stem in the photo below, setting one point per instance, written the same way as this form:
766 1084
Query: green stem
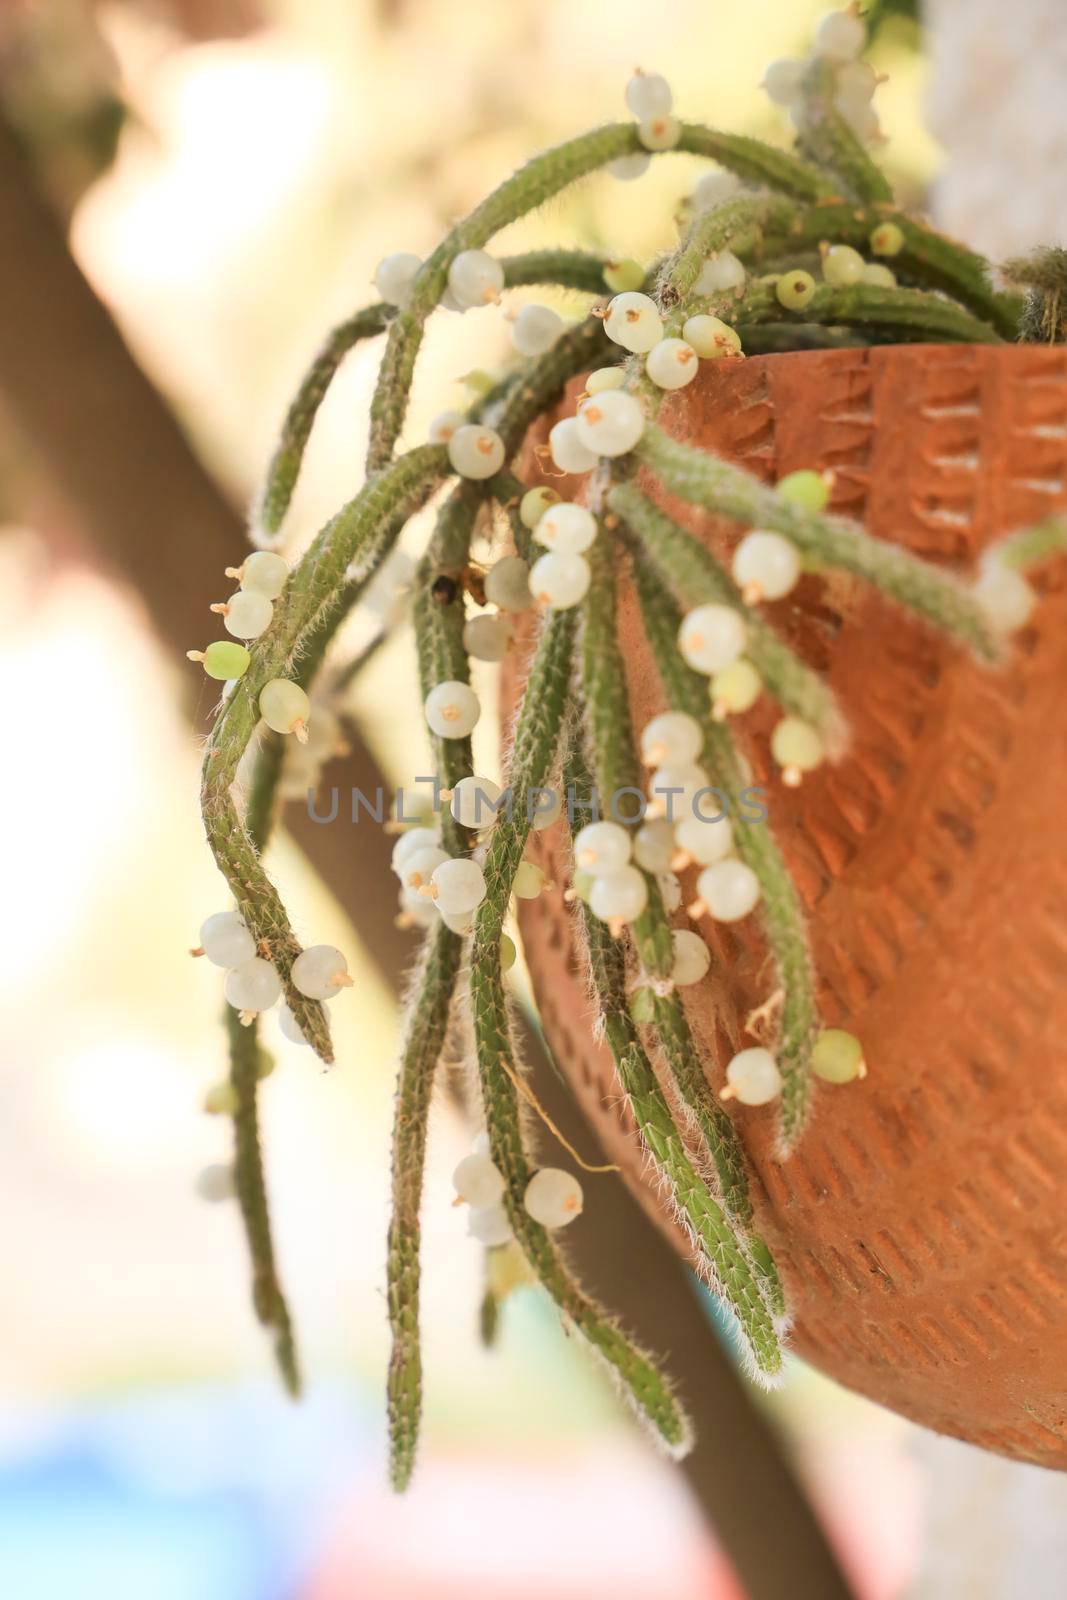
692 571
827 139
616 768
539 180
731 492
915 314
536 739
782 914
756 162
427 1025
721 1257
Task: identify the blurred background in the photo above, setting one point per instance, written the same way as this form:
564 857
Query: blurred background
227 173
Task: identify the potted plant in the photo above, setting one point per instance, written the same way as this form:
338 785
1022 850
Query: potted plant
777 738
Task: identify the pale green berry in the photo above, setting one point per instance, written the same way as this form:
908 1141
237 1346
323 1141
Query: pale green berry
246 614
735 689
841 265
528 881
837 1056
881 276
581 885
807 489
797 747
619 276
508 953
222 660
710 337
643 1004
534 504
221 1100
285 707
264 571
507 584
795 289
887 239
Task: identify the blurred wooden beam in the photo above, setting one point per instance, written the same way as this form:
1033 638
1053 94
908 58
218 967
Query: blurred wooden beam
112 450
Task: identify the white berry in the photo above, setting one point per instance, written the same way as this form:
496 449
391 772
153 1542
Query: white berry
486 637
290 1027
729 889
706 841
507 584
320 972
782 81
673 738
677 787
452 709
409 844
720 273
610 424
475 278
225 940
444 426
458 885
619 896
560 581
253 986
394 277
419 867
627 168
535 330
490 1226
753 1077
634 322
473 802
567 449
1004 596
649 95
712 189
476 452
654 845
216 1182
553 1197
602 847
711 637
840 36
264 572
567 528
478 1182
659 133
247 614
672 364
692 958
766 566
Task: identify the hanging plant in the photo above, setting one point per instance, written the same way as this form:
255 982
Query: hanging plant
779 251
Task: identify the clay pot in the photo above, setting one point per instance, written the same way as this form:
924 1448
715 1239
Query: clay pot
921 1226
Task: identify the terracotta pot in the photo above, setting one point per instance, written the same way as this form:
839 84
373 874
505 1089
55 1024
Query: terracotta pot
921 1227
